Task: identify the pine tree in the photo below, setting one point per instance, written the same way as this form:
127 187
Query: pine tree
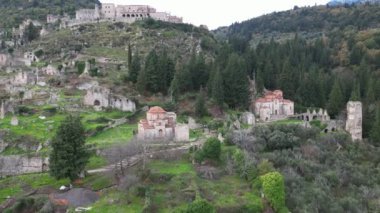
370 95
375 130
69 154
135 68
336 99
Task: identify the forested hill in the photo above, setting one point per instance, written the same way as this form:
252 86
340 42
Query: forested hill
310 19
13 12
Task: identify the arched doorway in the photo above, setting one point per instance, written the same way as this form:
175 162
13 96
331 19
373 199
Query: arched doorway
160 133
96 103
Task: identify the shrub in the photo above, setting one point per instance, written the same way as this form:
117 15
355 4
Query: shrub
274 190
24 110
200 206
80 65
211 149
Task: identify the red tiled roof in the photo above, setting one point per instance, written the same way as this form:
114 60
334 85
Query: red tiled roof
156 110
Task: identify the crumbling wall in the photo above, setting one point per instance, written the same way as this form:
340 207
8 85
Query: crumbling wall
354 119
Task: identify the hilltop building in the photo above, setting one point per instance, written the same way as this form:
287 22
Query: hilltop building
122 13
273 106
161 125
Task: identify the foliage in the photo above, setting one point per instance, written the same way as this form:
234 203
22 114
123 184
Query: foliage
210 150
375 131
200 206
274 190
80 65
69 154
200 105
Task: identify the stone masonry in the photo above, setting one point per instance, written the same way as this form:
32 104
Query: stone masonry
354 120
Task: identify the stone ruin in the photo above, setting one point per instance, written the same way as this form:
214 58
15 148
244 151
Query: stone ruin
354 120
321 115
6 106
101 97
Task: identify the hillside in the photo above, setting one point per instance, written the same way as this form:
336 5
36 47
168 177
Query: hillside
321 19
13 12
121 94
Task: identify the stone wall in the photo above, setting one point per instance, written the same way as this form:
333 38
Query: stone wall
182 132
354 119
101 97
16 165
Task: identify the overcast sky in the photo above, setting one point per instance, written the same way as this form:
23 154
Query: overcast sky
215 13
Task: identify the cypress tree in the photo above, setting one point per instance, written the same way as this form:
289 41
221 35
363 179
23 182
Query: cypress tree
336 99
217 88
129 57
200 105
69 154
135 68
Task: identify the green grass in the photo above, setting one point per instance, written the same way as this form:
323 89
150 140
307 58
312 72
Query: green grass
288 121
115 53
95 162
172 168
33 126
98 181
116 201
13 186
120 134
9 191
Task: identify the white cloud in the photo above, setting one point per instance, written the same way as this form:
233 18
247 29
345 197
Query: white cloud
219 13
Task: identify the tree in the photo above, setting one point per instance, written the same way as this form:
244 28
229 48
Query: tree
236 85
69 154
135 68
210 150
129 57
274 190
375 130
217 90
200 105
355 93
31 32
336 99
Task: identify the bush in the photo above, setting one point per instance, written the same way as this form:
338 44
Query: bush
80 65
210 150
200 206
274 190
24 110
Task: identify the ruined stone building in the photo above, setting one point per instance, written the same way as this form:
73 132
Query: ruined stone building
4 60
50 70
273 106
23 78
124 13
100 97
6 106
354 120
161 125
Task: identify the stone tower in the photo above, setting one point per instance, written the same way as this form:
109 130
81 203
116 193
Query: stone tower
2 110
354 120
